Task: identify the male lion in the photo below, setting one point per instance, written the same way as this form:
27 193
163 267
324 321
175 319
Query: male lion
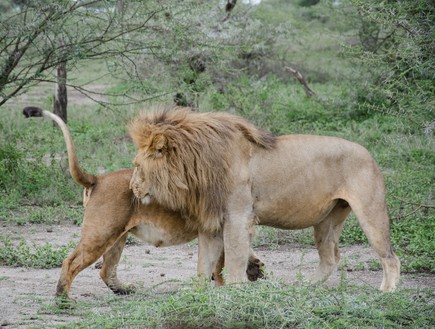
110 213
227 175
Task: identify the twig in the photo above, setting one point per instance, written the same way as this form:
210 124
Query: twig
414 203
419 206
408 214
298 75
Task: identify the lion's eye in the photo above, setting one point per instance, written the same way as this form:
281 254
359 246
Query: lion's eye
159 153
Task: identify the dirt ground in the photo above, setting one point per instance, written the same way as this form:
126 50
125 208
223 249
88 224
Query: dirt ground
23 290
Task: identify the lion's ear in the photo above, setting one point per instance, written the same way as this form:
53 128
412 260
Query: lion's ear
159 144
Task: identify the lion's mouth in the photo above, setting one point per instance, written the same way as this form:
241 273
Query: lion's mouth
146 199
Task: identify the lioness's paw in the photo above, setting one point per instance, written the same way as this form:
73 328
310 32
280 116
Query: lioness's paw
125 290
64 302
255 270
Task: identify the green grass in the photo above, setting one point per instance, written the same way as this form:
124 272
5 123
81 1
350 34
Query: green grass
264 304
36 188
276 102
41 214
25 255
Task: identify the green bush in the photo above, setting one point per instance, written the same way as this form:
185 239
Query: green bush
397 45
10 161
38 183
374 92
34 256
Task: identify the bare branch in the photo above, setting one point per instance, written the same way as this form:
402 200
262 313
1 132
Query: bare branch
419 206
133 100
298 75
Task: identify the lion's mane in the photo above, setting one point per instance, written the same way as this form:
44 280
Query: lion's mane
187 157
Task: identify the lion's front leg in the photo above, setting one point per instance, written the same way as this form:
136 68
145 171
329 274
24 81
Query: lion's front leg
236 234
237 250
210 248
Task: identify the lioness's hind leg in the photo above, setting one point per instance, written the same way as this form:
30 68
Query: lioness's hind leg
110 262
79 259
326 238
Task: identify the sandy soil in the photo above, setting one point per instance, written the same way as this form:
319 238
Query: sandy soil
23 291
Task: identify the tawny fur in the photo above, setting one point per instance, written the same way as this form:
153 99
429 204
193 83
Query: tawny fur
191 164
111 212
226 174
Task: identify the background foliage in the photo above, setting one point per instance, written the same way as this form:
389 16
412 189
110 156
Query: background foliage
370 64
373 86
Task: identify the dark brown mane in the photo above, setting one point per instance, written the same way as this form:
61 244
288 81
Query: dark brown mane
193 175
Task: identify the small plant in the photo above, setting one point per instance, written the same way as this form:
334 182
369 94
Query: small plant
374 265
10 159
360 266
33 256
272 238
132 241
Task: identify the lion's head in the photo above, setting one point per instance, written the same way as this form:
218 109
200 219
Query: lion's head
184 159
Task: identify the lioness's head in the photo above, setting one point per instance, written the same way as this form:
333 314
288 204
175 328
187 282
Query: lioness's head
139 187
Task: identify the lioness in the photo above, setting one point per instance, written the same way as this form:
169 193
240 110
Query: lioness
110 213
227 175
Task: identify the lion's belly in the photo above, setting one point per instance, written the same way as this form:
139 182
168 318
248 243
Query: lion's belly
298 184
285 214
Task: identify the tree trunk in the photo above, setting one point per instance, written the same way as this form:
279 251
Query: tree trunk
60 95
120 7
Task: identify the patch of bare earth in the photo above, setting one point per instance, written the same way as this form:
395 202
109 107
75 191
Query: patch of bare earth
24 290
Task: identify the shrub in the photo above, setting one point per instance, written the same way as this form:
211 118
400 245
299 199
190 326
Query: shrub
34 256
397 45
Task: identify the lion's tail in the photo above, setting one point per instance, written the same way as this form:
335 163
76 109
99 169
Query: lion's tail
78 174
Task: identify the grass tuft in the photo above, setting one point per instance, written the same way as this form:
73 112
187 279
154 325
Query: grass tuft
45 256
267 304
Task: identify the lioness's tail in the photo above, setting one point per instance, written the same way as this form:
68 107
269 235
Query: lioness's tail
78 174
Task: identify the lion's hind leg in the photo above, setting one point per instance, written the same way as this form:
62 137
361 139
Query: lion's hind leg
366 196
110 262
326 237
374 221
